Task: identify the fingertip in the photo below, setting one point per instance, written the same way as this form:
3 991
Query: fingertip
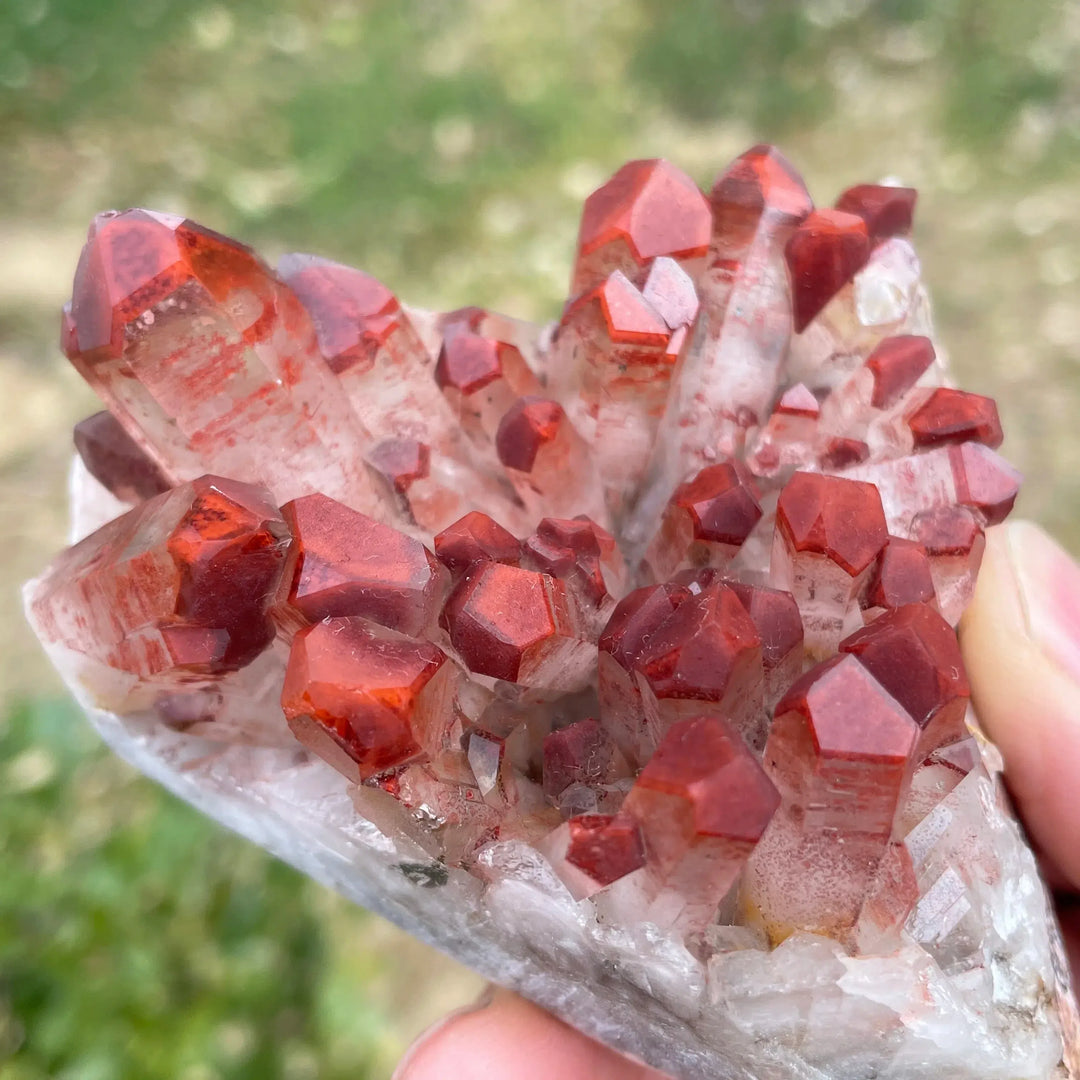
510 1039
1021 643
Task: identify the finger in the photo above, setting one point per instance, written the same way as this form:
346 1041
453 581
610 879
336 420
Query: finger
1021 644
510 1039
1069 917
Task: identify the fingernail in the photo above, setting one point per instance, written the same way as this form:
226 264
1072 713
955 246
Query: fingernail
436 1029
1048 579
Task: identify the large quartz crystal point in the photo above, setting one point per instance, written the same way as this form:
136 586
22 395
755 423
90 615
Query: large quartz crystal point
730 364
617 658
207 359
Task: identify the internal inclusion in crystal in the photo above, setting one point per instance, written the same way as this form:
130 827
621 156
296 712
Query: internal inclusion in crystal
666 592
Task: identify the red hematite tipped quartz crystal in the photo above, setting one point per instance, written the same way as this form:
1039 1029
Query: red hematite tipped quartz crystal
116 460
369 701
189 574
824 254
616 657
343 563
647 209
886 210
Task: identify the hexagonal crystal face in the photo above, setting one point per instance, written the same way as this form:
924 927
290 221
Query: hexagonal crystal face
834 517
759 183
516 625
473 539
886 210
354 314
530 424
647 209
913 652
824 254
343 563
896 365
605 848
721 505
366 699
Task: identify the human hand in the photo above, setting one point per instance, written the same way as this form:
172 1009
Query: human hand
1021 644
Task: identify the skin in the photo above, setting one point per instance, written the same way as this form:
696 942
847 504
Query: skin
1021 643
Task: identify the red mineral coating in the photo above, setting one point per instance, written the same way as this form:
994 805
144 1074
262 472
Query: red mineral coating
580 753
955 416
530 423
573 550
655 208
761 182
721 503
947 530
344 563
401 462
229 548
467 319
499 614
708 646
135 259
468 362
850 715
670 291
832 516
824 253
476 538
841 453
628 318
354 314
896 365
116 461
984 480
798 401
724 793
913 653
604 847
776 617
902 575
887 211
209 360
350 688
189 576
180 584
637 618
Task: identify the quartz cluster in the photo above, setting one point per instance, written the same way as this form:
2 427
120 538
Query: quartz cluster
616 656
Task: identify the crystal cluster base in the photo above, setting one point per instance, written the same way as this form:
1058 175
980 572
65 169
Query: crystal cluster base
616 658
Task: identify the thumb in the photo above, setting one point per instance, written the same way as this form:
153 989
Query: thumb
506 1038
1021 644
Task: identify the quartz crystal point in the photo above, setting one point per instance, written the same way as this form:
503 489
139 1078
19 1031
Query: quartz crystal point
838 752
116 461
618 657
730 365
191 340
648 209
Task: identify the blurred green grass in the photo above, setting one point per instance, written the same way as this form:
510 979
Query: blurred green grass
444 145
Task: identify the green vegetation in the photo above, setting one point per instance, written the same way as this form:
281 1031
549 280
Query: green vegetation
136 941
444 145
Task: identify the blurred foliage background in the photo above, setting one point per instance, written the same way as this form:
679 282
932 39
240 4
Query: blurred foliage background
445 146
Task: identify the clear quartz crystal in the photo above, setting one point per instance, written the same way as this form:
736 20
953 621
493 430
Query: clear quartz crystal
707 785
